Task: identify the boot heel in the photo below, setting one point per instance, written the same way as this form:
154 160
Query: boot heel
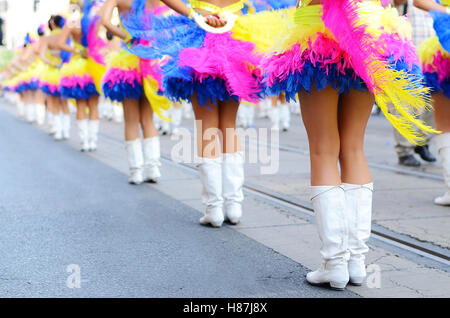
338 285
356 281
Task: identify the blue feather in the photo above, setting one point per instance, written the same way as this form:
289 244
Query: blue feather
315 75
79 92
86 21
441 25
120 91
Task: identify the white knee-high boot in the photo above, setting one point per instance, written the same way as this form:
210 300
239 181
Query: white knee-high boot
251 115
329 209
294 107
57 127
40 114
65 120
358 209
210 171
241 115
30 113
152 155
165 126
274 115
51 123
177 117
187 110
443 145
285 117
232 184
93 128
83 133
264 107
20 109
118 113
135 161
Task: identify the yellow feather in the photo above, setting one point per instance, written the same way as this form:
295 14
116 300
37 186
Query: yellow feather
157 102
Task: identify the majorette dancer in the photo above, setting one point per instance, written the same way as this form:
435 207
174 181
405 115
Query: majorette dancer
27 84
341 56
50 83
434 54
20 81
35 111
136 83
212 64
79 74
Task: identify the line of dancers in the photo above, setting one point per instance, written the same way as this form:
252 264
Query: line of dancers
338 57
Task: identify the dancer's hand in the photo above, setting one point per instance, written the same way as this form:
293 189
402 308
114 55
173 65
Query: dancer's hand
85 54
215 21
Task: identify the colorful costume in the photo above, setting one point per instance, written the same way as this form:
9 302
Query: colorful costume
28 79
350 44
435 55
76 80
212 66
130 77
51 75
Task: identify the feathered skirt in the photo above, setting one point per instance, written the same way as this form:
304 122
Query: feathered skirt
125 74
28 80
308 56
436 66
76 80
213 67
50 80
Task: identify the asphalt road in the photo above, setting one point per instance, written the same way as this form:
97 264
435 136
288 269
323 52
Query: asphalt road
60 208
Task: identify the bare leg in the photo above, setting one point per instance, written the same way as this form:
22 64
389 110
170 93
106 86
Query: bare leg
442 112
92 103
132 119
56 105
49 104
64 106
146 119
227 125
81 109
233 162
210 168
207 132
354 113
442 116
320 116
40 97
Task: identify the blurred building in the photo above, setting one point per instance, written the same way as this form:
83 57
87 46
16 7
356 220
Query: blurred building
22 16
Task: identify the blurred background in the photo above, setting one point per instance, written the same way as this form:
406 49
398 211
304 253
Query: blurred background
17 17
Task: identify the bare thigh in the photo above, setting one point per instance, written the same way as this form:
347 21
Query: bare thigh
207 125
320 117
354 113
441 106
227 126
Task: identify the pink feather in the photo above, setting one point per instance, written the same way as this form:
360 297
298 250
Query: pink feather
341 18
222 57
385 3
115 75
441 65
95 44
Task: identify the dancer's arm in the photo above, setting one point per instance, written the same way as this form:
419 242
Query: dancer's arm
16 63
106 14
181 8
43 51
62 40
26 54
429 5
